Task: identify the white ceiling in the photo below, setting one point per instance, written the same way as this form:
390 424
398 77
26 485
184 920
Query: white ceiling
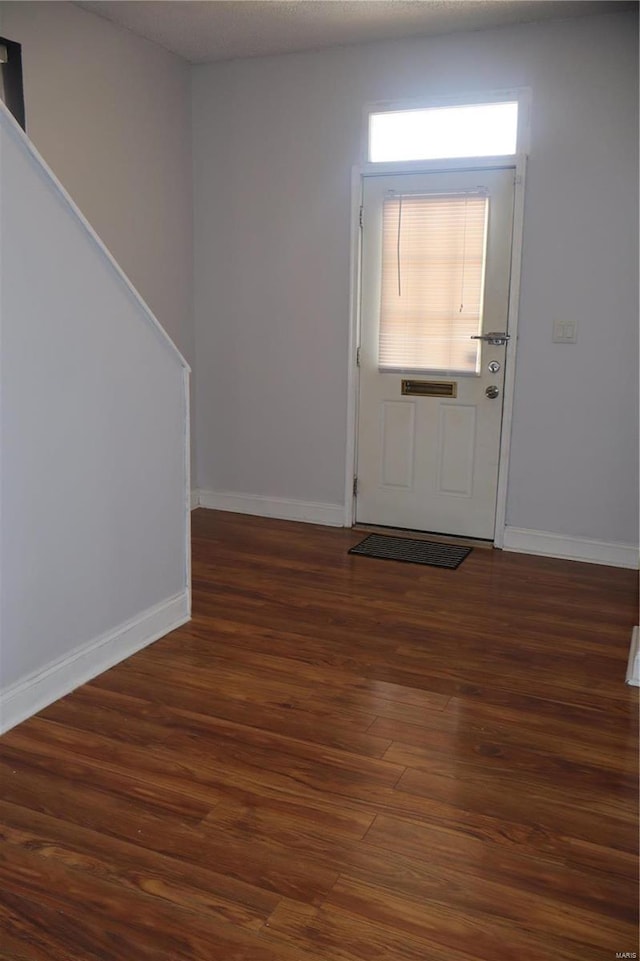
210 30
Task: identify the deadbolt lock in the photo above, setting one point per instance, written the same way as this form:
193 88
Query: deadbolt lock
492 391
494 366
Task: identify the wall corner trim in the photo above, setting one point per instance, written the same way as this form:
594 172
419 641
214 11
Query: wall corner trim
331 515
633 667
548 544
28 696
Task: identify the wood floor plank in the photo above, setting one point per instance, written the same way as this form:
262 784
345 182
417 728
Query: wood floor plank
338 759
532 867
22 751
137 868
343 936
206 759
363 700
136 926
189 708
217 764
447 876
489 766
31 932
405 855
414 665
484 934
545 810
241 859
358 692
489 728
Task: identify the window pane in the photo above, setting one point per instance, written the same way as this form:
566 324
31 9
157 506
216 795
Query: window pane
433 260
476 130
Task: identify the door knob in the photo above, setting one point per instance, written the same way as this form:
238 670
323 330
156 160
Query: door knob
492 391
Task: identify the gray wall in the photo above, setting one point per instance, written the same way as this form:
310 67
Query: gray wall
110 113
93 550
93 442
274 141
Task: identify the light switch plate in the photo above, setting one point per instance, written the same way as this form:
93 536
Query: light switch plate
564 332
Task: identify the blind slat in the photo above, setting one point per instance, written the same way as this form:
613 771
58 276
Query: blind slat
433 265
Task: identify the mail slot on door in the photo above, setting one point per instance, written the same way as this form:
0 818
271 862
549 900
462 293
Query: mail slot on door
430 388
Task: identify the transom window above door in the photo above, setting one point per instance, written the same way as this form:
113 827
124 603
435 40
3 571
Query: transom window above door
444 132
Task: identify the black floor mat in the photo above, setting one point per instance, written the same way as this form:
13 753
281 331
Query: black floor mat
411 550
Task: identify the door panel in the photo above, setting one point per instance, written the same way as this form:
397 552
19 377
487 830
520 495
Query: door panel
431 462
398 441
456 449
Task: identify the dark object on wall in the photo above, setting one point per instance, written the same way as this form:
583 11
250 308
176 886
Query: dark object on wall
11 90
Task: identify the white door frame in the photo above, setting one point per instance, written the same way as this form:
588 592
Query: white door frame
518 163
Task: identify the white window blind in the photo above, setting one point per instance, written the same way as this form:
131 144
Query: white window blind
433 265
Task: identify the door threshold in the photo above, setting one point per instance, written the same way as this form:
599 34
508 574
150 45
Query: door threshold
425 535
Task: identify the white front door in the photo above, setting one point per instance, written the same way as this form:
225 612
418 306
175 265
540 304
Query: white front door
436 254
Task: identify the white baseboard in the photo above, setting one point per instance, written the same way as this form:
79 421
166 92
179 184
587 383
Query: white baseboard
195 499
25 698
633 667
279 507
570 548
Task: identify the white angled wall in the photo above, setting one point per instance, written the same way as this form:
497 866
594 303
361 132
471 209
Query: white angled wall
274 142
111 115
94 446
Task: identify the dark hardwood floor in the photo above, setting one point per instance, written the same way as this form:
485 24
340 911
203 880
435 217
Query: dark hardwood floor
338 759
